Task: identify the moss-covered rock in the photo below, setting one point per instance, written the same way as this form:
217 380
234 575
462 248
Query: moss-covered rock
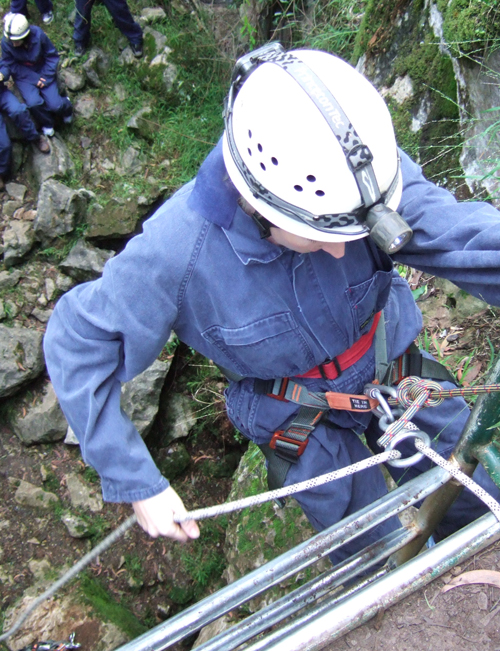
259 534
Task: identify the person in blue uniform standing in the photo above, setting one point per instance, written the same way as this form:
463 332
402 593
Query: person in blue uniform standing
31 58
122 18
276 262
45 7
19 114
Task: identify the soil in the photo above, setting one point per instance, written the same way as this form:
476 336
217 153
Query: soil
156 579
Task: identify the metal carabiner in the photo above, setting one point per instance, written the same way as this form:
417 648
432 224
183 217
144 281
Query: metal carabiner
384 409
402 436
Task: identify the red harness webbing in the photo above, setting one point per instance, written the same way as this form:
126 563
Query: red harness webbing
333 369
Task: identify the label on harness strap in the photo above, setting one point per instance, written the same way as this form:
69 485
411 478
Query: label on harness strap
348 402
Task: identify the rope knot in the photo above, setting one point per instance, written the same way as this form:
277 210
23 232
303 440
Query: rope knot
413 390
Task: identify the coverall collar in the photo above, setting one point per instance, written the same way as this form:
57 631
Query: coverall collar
216 199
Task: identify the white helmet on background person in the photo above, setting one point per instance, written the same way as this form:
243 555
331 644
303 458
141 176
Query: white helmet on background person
16 27
309 144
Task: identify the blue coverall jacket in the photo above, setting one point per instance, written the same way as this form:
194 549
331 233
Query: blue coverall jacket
262 311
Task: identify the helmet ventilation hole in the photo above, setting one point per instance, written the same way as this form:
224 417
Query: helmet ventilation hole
319 193
249 133
263 166
274 160
249 151
299 188
311 178
259 147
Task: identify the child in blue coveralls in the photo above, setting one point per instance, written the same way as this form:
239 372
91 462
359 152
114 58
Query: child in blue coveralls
276 262
30 57
19 114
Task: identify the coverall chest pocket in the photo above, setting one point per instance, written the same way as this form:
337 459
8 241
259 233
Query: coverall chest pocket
267 348
368 298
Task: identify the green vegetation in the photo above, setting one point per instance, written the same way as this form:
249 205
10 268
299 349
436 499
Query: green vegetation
471 28
105 606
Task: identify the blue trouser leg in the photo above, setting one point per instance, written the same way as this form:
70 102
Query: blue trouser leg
329 450
5 148
55 102
123 19
444 424
44 102
83 21
19 114
34 101
19 6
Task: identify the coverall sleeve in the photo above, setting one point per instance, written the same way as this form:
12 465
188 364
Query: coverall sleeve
105 332
49 69
459 241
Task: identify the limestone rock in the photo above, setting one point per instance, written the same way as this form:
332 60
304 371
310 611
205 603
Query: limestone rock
18 240
130 163
81 495
43 422
154 42
118 219
85 106
152 15
33 496
181 416
255 536
141 123
9 279
16 191
96 65
57 165
77 527
72 79
21 358
140 396
56 619
85 262
59 211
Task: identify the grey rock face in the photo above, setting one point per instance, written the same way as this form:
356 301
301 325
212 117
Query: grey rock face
21 358
81 495
16 191
9 279
72 79
96 65
140 396
77 527
131 162
142 124
43 423
29 495
56 165
59 210
18 239
181 416
85 262
152 15
118 219
85 106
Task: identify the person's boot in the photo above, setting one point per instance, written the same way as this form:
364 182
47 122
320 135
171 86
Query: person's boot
42 144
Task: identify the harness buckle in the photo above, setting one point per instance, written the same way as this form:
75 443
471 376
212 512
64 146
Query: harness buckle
287 448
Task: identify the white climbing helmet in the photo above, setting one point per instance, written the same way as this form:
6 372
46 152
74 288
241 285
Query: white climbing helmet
309 144
16 26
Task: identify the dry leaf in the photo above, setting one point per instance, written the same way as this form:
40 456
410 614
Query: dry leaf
472 373
488 577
